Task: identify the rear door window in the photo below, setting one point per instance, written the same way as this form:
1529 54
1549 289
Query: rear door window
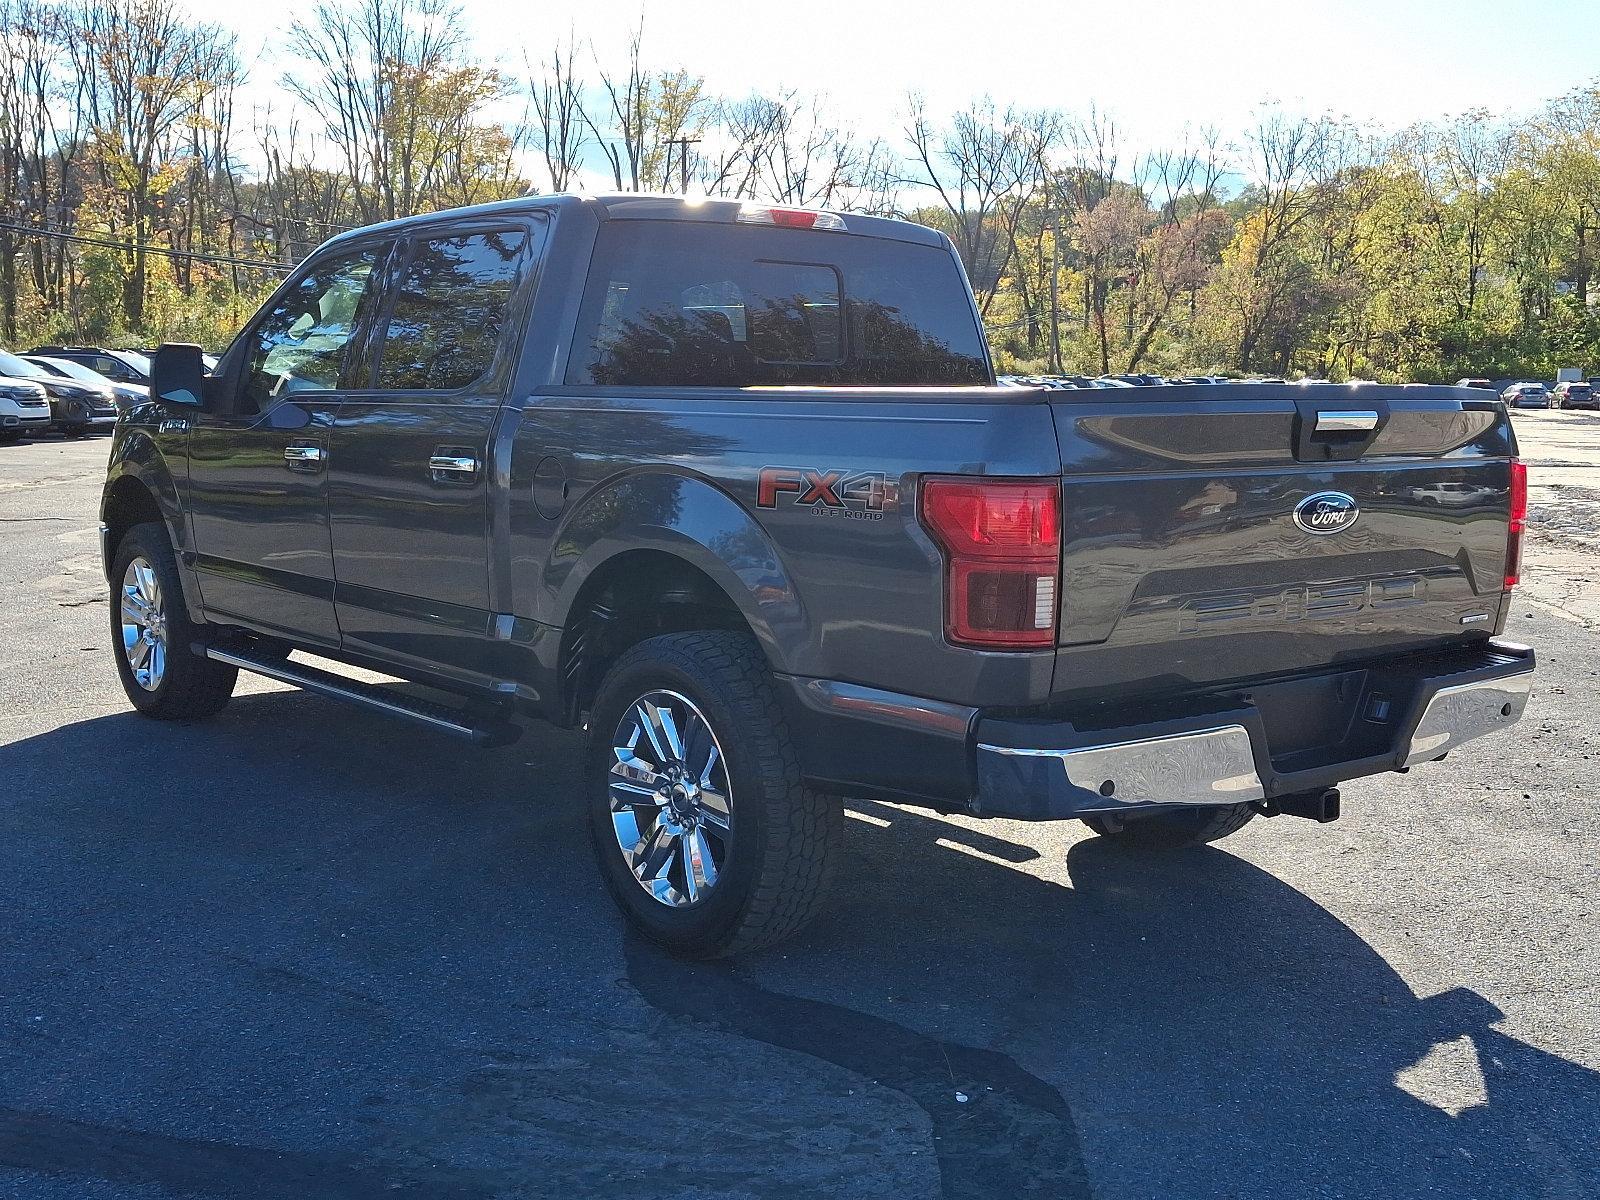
685 304
449 310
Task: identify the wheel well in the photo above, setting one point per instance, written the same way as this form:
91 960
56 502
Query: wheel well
635 596
127 503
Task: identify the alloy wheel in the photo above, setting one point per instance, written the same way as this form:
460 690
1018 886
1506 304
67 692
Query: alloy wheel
144 624
671 806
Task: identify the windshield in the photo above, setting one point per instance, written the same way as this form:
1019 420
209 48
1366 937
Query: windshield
134 359
11 365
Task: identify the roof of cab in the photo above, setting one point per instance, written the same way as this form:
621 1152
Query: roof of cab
644 206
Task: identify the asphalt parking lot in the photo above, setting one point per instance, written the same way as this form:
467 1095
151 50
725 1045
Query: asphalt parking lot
302 952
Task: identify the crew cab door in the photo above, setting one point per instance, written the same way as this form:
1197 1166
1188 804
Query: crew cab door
411 457
258 477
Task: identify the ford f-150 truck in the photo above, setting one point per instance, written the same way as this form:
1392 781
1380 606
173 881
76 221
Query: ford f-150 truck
731 488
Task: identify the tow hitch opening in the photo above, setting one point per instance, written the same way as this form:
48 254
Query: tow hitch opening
1319 804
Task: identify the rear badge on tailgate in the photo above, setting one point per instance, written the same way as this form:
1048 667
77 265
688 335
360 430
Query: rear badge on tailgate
1326 512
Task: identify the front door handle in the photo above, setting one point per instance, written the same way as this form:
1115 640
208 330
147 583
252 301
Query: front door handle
454 467
303 458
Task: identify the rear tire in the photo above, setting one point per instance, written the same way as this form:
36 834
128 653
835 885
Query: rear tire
1173 830
722 790
153 638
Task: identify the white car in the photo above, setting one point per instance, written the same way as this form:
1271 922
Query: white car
1526 395
24 408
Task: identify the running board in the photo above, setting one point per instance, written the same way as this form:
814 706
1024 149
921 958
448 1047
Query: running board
486 731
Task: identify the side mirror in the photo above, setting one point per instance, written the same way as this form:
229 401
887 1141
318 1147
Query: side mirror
177 375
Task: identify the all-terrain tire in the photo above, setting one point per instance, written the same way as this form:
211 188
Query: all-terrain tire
784 836
191 686
1172 830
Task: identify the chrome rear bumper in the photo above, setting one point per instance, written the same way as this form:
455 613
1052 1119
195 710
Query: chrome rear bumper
1465 711
1395 716
1209 766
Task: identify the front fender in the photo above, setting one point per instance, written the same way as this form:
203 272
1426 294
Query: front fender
692 519
137 460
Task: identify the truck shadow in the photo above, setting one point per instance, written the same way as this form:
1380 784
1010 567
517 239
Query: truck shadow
1175 1026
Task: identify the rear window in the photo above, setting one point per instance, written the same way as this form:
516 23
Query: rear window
679 304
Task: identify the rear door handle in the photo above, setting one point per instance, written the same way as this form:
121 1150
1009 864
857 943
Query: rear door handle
303 458
453 467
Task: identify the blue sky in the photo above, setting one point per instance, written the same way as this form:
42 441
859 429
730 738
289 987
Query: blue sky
1155 66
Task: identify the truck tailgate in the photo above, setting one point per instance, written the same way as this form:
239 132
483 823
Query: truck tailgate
1184 563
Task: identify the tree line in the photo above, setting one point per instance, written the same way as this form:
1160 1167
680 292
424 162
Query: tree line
138 201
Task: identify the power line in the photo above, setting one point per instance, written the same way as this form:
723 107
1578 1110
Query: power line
224 259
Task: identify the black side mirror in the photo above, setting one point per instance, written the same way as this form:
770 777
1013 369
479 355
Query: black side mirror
177 375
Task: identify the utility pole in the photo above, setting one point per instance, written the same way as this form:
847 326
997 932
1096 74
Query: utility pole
683 159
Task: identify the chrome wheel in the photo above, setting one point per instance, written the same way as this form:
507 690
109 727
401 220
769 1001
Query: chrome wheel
671 807
144 625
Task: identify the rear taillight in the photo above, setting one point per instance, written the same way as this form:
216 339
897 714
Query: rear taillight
1518 523
1002 545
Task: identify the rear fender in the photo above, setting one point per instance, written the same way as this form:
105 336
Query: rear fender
693 520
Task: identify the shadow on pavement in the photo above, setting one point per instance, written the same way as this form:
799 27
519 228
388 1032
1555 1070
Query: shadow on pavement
302 946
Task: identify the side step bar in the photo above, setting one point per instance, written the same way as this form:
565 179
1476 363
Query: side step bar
481 731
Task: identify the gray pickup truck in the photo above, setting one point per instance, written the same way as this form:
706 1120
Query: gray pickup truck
731 488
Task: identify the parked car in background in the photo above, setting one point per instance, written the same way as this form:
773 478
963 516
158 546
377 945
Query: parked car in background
119 366
1575 395
24 407
1145 380
76 409
125 394
1477 383
1526 395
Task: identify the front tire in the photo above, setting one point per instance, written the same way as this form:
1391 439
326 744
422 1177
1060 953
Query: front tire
705 835
1175 829
153 638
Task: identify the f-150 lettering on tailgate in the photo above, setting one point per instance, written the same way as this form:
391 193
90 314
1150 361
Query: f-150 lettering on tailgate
1309 602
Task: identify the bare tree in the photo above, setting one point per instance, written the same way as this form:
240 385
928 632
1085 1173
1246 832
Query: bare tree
556 94
1182 185
980 168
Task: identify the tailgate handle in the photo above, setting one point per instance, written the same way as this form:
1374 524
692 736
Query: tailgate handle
1363 420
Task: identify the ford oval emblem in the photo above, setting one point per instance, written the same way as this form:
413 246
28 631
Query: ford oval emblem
1326 512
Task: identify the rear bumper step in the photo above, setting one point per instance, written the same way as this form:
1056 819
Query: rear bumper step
481 731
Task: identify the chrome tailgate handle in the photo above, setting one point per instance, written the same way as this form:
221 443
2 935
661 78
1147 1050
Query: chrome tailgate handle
1362 420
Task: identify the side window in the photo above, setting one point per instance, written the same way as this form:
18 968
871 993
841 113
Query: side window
300 345
111 368
448 310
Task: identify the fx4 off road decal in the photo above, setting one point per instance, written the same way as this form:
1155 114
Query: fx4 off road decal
861 497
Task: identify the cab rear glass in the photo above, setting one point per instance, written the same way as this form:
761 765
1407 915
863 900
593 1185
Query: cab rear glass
685 304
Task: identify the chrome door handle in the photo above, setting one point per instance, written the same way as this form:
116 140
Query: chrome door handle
303 458
453 464
1351 421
